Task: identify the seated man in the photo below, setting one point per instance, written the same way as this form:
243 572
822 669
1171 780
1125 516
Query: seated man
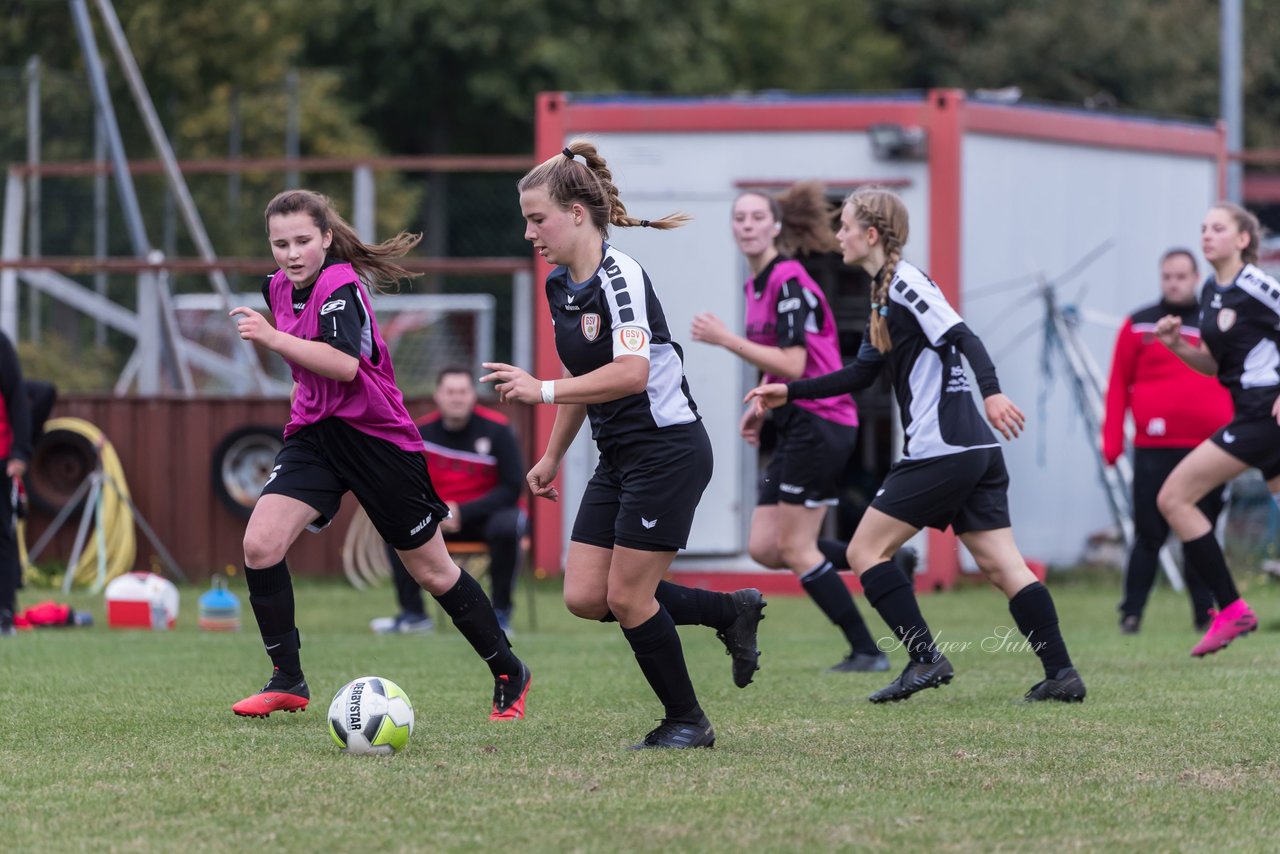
476 467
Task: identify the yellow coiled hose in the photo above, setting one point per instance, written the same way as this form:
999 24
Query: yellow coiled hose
111 547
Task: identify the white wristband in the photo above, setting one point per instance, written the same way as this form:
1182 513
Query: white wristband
548 391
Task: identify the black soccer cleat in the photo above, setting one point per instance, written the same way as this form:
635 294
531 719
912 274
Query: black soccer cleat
861 662
1066 687
917 676
680 736
739 638
1130 624
509 695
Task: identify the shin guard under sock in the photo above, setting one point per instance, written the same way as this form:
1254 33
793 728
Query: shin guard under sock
472 613
271 597
890 593
1206 555
829 593
693 606
1032 609
656 645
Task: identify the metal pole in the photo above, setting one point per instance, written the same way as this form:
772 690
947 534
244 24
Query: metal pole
364 202
1232 93
100 219
291 128
11 250
33 188
102 101
522 319
177 183
234 147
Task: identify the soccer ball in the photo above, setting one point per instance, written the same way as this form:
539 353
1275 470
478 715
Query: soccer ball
371 715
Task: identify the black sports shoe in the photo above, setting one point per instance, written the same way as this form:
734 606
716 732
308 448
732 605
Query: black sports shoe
740 637
679 735
861 662
1066 687
1130 624
917 676
509 696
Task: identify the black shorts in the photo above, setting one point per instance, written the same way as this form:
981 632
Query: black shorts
968 491
1255 441
321 462
645 490
807 462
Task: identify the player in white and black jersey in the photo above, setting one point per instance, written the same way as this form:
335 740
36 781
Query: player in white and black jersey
623 371
1240 343
952 472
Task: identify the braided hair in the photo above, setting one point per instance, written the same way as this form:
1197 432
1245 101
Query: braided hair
590 184
884 211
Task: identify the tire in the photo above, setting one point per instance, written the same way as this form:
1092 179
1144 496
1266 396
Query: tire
242 462
61 461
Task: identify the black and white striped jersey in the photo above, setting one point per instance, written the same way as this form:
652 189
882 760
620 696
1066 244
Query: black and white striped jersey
1240 324
613 314
938 413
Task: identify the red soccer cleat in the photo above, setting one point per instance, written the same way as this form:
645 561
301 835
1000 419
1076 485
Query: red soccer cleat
278 695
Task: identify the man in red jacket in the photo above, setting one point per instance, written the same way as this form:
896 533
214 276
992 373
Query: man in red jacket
477 469
1174 409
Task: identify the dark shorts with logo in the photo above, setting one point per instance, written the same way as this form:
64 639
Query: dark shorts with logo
645 489
1255 441
321 462
807 462
968 491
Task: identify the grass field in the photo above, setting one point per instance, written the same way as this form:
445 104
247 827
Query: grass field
124 741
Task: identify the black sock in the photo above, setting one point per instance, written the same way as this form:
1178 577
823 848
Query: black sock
890 593
1206 555
472 613
828 591
661 658
271 597
1037 619
835 551
693 606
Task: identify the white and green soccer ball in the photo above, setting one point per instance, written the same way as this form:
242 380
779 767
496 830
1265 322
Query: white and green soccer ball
371 715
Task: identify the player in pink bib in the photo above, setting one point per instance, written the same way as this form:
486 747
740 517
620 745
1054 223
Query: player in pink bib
348 431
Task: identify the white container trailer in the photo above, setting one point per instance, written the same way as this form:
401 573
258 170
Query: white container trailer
1002 197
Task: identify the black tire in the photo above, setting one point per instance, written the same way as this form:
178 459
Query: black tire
242 461
62 459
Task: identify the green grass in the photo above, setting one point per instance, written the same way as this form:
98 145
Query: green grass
123 741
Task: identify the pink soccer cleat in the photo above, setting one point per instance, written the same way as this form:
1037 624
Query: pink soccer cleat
1228 624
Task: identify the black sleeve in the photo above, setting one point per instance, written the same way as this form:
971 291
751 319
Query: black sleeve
793 312
266 293
975 353
510 477
15 401
855 377
342 320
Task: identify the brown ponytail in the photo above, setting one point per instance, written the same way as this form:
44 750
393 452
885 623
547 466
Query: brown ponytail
372 262
589 184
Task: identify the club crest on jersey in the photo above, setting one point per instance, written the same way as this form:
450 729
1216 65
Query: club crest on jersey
1226 319
632 339
591 326
483 445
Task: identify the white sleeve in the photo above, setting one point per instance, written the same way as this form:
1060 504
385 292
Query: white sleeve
915 292
624 289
